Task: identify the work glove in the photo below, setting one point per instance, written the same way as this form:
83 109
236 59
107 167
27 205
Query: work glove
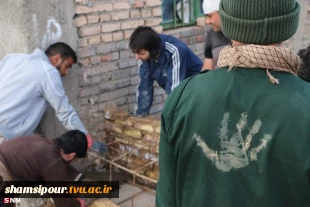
82 202
89 141
99 148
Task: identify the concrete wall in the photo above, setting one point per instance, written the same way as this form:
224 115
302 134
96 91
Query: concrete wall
31 24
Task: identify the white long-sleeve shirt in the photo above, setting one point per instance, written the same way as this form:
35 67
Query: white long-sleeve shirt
27 84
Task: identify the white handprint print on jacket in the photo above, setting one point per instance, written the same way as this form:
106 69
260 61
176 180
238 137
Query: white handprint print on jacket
235 151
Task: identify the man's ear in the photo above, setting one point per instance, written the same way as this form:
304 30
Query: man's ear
55 59
71 156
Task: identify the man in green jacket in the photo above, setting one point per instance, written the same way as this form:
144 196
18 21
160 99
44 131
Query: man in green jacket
239 136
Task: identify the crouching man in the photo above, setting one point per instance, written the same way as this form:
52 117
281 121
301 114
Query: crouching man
34 158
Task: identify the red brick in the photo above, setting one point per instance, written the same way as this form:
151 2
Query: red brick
157 11
146 13
95 60
105 17
94 40
83 9
117 36
122 5
106 58
120 15
152 3
138 4
99 7
153 22
90 31
111 27
93 18
135 14
107 37
131 24
80 21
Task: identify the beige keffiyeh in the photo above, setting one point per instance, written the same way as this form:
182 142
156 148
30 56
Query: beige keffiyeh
258 56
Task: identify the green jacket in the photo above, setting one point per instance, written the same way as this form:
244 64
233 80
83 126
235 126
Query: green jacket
233 139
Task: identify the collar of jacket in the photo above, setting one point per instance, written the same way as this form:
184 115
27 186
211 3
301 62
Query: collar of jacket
42 55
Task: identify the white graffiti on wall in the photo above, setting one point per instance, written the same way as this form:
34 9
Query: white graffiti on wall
51 35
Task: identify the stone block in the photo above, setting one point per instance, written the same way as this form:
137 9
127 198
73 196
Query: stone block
138 4
157 12
79 9
153 22
80 20
110 126
105 48
120 15
131 24
146 13
135 14
122 5
133 133
88 31
94 18
95 60
105 17
153 3
144 126
117 36
111 27
101 7
94 40
107 37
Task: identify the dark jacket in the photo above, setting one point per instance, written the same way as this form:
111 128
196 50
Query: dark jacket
176 62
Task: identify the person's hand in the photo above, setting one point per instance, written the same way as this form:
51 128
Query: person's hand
99 148
89 141
82 202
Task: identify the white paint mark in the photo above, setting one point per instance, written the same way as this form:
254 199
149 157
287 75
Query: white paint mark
234 152
50 37
35 29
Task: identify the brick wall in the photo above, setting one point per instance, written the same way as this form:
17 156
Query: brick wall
137 136
108 70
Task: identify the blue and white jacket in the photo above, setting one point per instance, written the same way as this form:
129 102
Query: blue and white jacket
27 84
176 62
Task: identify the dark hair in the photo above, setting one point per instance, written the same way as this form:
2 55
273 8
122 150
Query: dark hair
145 38
304 70
62 49
73 141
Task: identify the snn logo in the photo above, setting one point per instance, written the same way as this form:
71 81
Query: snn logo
11 200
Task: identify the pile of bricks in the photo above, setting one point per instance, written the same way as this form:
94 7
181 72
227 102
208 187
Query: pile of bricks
138 137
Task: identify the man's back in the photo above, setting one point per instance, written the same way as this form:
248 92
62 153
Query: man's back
33 158
234 139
